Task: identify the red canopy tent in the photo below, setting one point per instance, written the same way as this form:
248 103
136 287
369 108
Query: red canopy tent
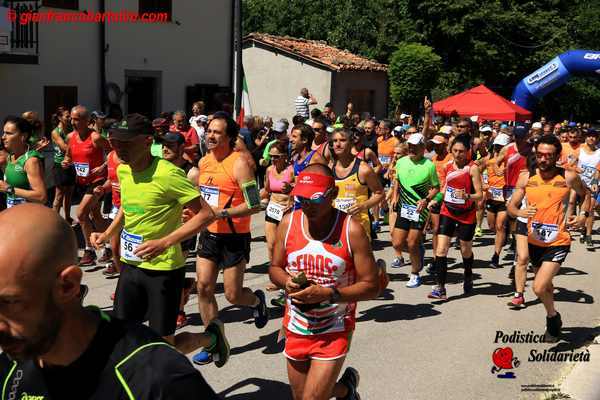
482 102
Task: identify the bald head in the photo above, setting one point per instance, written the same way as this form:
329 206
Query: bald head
35 240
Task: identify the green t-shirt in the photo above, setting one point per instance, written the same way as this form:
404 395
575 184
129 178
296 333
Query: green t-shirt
156 149
59 155
152 202
16 176
415 179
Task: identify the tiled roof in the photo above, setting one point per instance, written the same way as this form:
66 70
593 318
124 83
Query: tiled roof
318 51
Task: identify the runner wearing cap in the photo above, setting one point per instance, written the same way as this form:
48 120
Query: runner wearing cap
86 153
153 194
588 165
462 190
417 183
323 260
228 185
549 240
161 127
23 168
280 130
97 121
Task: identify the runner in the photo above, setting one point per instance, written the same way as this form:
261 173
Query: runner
364 153
588 164
418 183
321 140
23 170
320 317
64 179
301 139
462 190
495 201
86 154
385 151
153 194
549 240
227 184
53 348
400 150
359 188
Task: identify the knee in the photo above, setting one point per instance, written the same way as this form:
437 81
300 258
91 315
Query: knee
233 296
205 290
522 261
413 246
540 288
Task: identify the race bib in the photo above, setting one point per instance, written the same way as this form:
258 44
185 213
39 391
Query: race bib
451 196
129 244
210 195
344 203
485 178
546 233
275 211
409 212
385 159
496 193
14 201
82 169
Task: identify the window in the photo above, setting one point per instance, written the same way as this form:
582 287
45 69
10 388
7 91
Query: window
68 4
156 6
363 100
55 96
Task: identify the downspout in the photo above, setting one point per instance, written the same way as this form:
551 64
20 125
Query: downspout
102 49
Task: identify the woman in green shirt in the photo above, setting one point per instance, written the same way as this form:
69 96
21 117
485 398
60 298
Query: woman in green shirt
23 169
64 179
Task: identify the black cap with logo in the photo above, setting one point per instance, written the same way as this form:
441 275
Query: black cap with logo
131 126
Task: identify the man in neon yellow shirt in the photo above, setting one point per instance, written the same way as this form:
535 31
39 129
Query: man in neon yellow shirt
153 194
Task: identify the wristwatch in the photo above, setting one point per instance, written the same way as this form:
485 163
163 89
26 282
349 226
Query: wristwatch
10 190
586 213
335 296
224 214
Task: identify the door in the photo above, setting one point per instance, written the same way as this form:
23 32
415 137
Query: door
54 97
142 95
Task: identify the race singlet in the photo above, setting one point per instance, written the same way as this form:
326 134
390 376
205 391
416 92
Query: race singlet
129 244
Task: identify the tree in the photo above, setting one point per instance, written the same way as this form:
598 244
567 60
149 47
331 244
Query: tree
413 71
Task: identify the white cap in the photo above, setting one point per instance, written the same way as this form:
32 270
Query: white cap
536 125
474 118
398 128
502 139
402 116
416 138
485 128
446 129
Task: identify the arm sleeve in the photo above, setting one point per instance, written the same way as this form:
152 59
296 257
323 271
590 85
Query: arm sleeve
179 187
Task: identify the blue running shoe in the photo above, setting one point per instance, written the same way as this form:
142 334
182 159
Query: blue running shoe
438 293
202 358
398 262
414 281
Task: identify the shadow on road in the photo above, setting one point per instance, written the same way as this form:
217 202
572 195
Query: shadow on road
259 268
397 312
570 271
566 295
267 389
269 342
575 337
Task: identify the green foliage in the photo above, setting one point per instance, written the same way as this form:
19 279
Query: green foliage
413 70
495 42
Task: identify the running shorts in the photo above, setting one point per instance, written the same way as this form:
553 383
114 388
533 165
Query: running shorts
406 224
147 294
224 249
89 189
521 228
437 208
495 206
189 244
539 254
64 176
272 220
325 347
449 226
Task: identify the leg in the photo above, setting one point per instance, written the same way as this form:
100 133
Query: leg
522 262
414 249
542 285
235 292
58 199
270 232
320 383
206 275
398 240
491 220
435 225
68 195
88 202
297 373
441 262
115 243
500 229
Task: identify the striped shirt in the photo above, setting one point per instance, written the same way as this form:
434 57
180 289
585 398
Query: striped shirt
301 103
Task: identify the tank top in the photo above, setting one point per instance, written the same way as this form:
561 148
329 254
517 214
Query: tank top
515 163
589 163
327 262
385 150
113 163
547 227
300 166
458 179
16 176
85 158
440 167
220 189
495 183
352 191
275 183
59 155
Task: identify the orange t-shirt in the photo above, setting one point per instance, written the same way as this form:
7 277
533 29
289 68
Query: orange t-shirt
220 189
495 183
385 150
440 167
569 154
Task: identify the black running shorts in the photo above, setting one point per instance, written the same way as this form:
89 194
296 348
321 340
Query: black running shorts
224 249
449 226
495 206
539 254
406 224
521 228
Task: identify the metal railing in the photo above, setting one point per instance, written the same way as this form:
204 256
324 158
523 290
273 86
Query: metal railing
24 38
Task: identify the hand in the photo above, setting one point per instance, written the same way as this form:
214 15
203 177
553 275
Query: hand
99 191
461 194
421 204
98 170
426 104
355 209
150 249
313 294
3 186
576 222
66 164
291 286
528 212
98 239
350 107
432 204
187 214
286 188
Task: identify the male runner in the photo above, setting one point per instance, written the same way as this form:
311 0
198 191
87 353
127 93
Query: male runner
53 348
228 185
418 183
588 164
321 141
549 240
385 151
330 249
153 194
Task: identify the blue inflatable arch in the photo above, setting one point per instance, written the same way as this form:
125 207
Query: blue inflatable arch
554 74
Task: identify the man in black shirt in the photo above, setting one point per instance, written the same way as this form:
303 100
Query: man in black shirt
53 348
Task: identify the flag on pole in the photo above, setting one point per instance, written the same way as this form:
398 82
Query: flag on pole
245 108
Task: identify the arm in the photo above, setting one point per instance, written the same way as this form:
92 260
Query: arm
427 117
242 173
58 140
476 177
312 99
371 156
99 141
517 198
497 168
575 183
97 239
366 174
277 273
33 168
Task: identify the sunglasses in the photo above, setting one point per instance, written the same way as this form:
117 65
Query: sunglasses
276 156
316 201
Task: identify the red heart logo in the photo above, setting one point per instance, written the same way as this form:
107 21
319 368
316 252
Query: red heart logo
502 357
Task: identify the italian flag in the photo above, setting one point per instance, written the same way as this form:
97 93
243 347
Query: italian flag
245 108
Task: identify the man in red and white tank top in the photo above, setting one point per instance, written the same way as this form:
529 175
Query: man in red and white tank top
329 248
86 152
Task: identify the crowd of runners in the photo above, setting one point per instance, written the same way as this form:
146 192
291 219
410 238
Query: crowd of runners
152 193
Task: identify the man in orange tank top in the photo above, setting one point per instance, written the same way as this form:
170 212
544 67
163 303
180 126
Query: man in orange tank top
228 185
323 260
549 240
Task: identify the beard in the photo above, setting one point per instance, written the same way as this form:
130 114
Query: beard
23 348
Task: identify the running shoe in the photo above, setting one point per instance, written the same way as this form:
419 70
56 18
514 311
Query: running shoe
351 378
517 302
376 226
261 313
279 301
83 291
88 259
495 262
110 270
414 281
457 244
589 243
181 320
468 285
582 238
106 256
398 262
202 358
438 293
553 326
478 232
219 352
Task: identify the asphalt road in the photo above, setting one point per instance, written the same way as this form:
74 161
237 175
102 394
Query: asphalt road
407 346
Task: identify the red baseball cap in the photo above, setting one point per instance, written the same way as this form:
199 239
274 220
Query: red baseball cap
311 185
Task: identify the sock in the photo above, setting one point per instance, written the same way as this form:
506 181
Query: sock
213 341
441 267
518 294
468 265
